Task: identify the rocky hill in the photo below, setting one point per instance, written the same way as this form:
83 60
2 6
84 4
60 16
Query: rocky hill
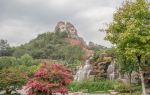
73 37
62 44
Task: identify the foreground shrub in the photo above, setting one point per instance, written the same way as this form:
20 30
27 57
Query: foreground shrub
102 85
15 71
25 64
11 79
48 79
122 87
92 86
125 88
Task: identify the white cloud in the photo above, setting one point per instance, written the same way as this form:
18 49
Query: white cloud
23 20
19 32
97 12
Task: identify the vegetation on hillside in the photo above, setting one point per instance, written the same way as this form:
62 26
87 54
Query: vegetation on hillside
51 45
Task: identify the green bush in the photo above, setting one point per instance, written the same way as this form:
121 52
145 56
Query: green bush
26 60
137 88
102 85
15 71
122 87
92 86
6 62
11 79
32 69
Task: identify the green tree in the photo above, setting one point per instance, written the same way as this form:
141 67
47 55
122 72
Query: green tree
130 31
19 51
126 66
5 49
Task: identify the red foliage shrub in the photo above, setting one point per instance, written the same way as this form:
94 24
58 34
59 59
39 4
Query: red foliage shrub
48 79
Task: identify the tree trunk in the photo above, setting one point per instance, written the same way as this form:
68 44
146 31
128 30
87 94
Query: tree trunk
130 84
143 85
141 75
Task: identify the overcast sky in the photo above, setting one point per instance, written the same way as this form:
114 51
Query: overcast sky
23 20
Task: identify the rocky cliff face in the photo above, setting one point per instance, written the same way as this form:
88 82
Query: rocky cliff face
73 37
67 27
100 66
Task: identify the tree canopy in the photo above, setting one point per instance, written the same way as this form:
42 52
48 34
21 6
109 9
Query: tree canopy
130 32
5 49
130 29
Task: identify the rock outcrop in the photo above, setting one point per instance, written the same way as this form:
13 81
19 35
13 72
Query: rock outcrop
67 27
100 67
73 37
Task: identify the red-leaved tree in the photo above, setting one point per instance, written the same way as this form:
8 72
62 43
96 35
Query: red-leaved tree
49 79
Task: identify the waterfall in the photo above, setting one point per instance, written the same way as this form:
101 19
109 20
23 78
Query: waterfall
84 71
111 71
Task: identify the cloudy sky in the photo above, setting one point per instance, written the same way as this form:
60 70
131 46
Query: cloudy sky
22 20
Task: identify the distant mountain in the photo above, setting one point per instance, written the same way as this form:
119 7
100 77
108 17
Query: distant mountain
51 45
73 37
64 44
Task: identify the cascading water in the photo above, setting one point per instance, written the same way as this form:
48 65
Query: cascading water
83 72
111 71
